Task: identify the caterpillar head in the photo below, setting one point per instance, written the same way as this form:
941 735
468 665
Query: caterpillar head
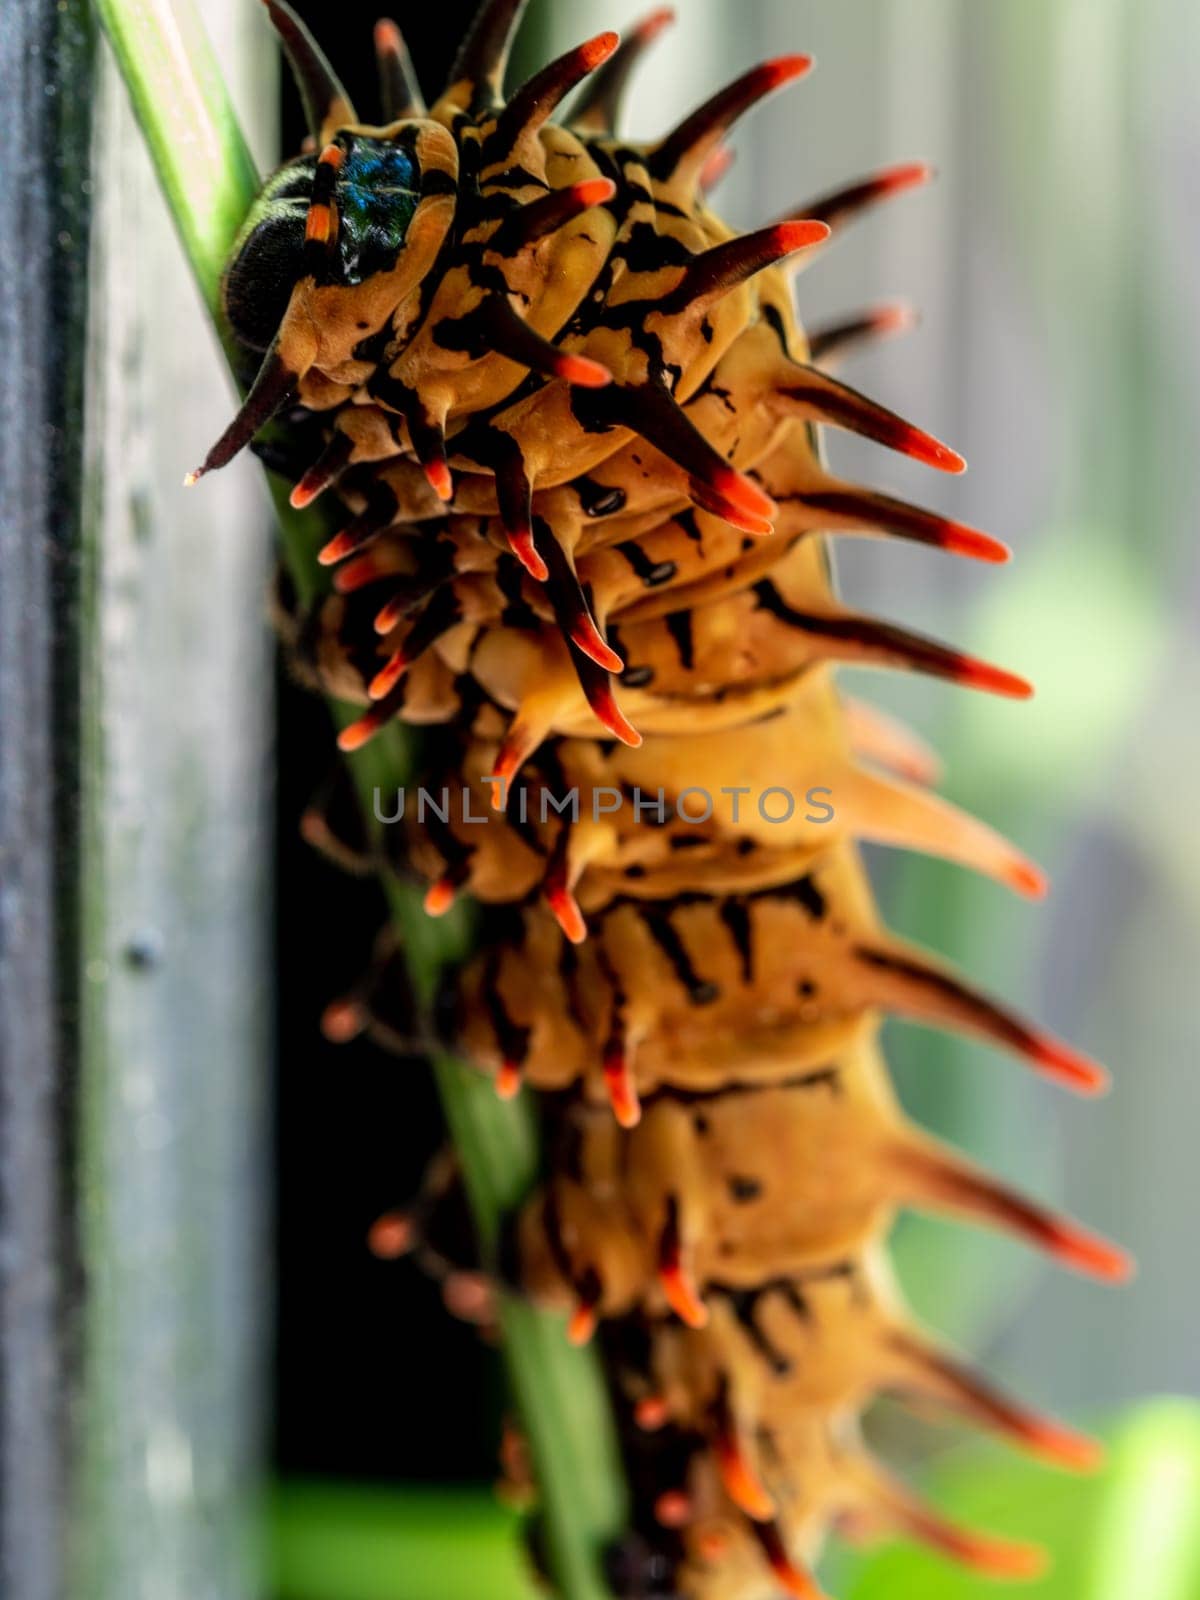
339 239
336 242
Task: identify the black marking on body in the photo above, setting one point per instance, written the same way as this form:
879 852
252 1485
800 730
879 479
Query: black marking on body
455 851
652 573
598 499
512 1038
524 826
587 1284
744 1304
737 919
687 521
637 677
819 1078
517 612
803 891
658 920
773 317
679 626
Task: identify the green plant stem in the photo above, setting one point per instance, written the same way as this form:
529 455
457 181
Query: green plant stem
209 181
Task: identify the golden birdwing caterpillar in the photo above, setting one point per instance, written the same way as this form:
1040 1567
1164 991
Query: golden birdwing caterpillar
572 423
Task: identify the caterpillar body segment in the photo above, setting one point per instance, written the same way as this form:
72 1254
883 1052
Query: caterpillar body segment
572 426
760 1181
827 1339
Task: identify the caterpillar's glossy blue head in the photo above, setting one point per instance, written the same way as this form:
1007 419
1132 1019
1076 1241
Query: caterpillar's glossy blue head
376 197
364 201
333 246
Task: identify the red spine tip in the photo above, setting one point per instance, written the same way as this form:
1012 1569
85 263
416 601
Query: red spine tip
622 1091
508 1080
682 1295
740 1482
713 1545
907 175
388 676
587 637
613 718
469 1297
583 371
792 236
356 575
1027 879
312 484
673 1509
898 317
785 69
718 506
649 28
342 1020
193 477
505 768
594 191
567 914
744 495
760 527
716 166
439 897
520 542
793 1581
1070 1067
337 549
438 476
999 1558
961 540
582 1324
651 1413
1090 1254
1076 1452
389 616
922 446
390 1236
387 37
994 680
358 733
599 49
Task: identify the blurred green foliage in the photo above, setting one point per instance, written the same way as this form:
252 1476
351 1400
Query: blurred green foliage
332 1541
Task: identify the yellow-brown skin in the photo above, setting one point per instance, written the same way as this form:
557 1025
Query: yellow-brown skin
734 969
798 1165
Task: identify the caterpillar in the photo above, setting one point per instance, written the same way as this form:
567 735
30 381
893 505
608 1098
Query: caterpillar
573 427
